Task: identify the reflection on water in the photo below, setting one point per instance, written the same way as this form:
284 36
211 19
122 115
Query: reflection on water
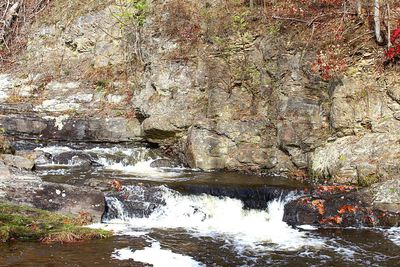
342 248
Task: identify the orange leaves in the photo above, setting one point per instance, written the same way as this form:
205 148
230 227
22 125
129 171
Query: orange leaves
333 219
335 188
319 205
337 219
299 174
116 185
84 218
347 208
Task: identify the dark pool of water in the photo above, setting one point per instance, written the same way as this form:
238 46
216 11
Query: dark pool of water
342 248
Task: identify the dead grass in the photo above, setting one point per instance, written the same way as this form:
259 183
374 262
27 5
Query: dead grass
66 11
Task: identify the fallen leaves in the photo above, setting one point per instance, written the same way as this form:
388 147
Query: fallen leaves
333 219
116 185
335 188
347 208
319 205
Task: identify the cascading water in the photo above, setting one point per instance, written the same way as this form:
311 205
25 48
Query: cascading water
180 217
205 215
123 162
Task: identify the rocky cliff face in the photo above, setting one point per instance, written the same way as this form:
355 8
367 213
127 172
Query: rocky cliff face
247 101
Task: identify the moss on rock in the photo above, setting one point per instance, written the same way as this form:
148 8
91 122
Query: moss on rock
30 224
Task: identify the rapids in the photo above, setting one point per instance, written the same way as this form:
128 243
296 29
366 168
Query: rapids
174 216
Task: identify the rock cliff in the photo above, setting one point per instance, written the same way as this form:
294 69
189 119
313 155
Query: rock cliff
237 97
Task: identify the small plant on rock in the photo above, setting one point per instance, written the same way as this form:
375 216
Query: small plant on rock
393 53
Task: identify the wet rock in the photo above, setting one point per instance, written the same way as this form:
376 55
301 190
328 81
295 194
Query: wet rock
338 209
75 158
68 199
17 161
45 158
163 163
133 201
252 197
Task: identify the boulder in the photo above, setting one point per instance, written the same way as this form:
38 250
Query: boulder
18 162
362 160
29 154
385 195
163 163
330 206
75 158
32 191
206 149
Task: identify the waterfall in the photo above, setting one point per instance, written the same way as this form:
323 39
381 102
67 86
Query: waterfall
210 216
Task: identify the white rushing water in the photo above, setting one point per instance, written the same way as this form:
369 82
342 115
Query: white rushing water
223 218
141 169
129 161
394 235
156 256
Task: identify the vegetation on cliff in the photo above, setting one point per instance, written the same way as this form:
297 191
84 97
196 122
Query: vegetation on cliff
265 86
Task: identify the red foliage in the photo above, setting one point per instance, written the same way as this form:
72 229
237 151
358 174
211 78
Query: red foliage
394 52
329 63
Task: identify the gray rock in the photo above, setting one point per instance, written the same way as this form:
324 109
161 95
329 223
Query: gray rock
266 112
162 163
354 158
74 158
68 199
386 195
18 162
71 129
29 154
206 149
4 171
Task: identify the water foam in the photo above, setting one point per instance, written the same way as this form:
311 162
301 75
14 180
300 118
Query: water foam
141 169
130 161
224 218
394 235
54 150
156 256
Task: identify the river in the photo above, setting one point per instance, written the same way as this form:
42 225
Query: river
180 217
